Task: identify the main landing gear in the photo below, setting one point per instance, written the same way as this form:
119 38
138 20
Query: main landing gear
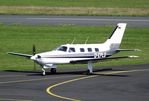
53 71
90 67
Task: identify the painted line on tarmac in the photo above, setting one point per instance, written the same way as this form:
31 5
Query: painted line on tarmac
39 79
14 100
3 76
50 92
118 72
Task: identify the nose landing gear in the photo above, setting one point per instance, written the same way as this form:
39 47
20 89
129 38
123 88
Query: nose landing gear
53 71
43 72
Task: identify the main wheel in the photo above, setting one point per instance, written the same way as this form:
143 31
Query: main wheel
53 70
88 72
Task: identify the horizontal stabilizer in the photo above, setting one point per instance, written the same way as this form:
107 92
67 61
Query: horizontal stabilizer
20 54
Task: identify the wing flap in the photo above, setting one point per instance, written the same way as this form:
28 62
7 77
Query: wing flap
20 54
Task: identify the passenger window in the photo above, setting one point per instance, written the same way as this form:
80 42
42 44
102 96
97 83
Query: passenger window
82 50
89 49
71 49
96 50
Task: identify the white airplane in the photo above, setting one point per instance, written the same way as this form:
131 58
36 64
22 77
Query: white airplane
81 53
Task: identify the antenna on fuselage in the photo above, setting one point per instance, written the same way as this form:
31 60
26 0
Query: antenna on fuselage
86 40
73 40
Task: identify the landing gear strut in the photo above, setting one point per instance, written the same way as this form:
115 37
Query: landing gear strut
52 66
90 68
43 72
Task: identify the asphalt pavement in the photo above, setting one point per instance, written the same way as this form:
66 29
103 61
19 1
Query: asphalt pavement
73 20
119 83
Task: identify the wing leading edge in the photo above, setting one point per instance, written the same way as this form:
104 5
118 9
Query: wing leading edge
21 54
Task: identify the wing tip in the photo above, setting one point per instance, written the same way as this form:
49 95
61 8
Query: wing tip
137 50
133 56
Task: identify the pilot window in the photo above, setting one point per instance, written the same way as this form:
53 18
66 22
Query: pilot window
89 49
82 50
62 48
96 50
71 49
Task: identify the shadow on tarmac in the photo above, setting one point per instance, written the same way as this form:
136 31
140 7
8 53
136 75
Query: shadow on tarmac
38 73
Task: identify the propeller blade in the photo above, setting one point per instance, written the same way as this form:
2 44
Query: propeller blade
34 52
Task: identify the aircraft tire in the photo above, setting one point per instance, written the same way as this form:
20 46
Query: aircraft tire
53 70
88 72
43 74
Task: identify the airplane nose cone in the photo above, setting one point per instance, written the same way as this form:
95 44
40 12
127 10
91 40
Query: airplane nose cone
33 57
36 57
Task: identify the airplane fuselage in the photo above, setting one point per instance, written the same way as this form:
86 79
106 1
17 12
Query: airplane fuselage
71 52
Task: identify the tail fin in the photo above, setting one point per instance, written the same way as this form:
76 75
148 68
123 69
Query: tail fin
118 32
116 37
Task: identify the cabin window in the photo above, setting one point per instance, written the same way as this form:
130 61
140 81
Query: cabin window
89 49
71 49
62 48
96 50
82 50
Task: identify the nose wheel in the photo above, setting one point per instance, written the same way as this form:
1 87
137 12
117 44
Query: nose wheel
43 72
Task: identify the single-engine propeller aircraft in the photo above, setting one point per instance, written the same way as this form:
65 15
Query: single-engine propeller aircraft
81 53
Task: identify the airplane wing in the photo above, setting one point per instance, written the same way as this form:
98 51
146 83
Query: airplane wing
101 59
21 54
118 50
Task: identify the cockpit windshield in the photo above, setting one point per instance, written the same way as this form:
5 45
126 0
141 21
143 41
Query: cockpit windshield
62 48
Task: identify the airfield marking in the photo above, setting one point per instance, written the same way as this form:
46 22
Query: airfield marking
11 76
14 100
40 79
49 89
30 80
117 72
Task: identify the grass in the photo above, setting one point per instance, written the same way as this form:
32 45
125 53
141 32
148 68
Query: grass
78 3
20 38
76 7
93 11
